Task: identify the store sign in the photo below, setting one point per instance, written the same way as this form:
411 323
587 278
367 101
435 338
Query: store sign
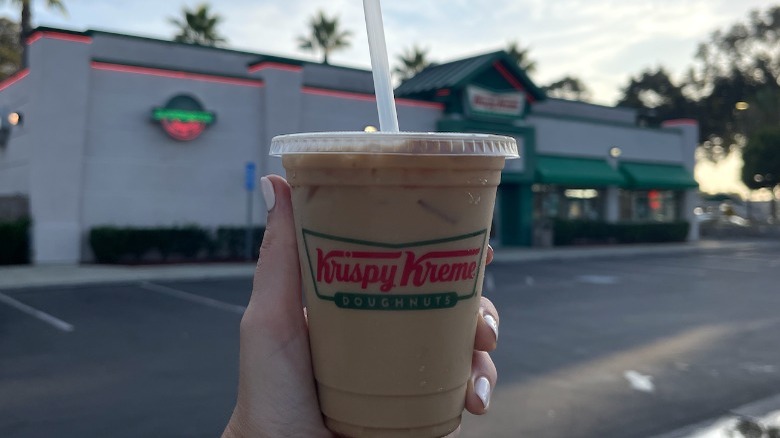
183 118
480 101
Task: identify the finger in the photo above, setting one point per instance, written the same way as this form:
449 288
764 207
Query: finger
489 257
487 326
276 286
482 382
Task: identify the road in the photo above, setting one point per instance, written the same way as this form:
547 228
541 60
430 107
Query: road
607 348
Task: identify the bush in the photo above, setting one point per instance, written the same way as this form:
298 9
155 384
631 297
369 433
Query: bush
593 232
230 241
186 243
15 242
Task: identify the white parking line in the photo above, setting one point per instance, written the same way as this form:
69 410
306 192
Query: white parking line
32 311
490 282
235 308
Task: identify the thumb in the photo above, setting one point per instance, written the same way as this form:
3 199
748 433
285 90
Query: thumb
277 284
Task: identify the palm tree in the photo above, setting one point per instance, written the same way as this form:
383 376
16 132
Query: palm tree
325 36
26 20
411 61
568 87
521 57
199 26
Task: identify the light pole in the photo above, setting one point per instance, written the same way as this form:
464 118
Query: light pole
740 108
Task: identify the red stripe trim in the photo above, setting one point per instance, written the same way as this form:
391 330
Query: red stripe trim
58 36
274 65
369 98
680 122
443 92
16 77
512 80
97 65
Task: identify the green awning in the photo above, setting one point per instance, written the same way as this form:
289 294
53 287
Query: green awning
577 172
658 176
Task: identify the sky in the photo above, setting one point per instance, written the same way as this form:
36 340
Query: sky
602 42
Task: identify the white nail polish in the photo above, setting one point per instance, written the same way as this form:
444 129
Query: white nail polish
482 388
267 188
492 323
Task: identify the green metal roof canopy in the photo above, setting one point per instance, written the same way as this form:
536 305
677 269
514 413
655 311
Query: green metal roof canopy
658 176
577 172
460 73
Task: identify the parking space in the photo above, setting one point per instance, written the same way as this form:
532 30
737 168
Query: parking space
137 362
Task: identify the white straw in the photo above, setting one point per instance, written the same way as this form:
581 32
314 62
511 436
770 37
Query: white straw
385 103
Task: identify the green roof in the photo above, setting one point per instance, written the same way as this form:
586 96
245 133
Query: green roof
577 172
457 74
658 176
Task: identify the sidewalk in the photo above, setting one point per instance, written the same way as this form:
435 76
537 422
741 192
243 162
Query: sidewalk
14 277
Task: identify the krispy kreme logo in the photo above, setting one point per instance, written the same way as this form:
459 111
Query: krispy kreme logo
378 276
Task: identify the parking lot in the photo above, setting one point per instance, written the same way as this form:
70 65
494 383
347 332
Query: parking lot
607 347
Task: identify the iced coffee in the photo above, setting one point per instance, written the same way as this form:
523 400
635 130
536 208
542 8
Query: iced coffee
392 237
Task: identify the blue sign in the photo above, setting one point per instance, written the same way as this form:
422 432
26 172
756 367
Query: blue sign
249 183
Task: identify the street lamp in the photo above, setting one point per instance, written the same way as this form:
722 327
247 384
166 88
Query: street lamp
741 106
615 152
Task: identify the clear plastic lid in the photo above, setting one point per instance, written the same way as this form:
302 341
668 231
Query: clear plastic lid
395 143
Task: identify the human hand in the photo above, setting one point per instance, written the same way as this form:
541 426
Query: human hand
276 390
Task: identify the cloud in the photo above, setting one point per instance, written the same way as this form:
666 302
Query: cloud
603 42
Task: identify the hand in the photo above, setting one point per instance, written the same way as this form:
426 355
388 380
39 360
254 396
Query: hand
276 391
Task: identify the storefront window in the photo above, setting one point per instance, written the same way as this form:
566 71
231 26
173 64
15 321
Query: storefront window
649 205
568 203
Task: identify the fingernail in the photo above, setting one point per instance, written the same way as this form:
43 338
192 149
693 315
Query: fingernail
267 188
492 323
482 388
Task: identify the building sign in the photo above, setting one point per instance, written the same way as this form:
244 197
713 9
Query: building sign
503 104
183 118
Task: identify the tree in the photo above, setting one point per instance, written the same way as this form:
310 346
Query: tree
657 97
568 87
198 26
411 61
26 21
521 56
761 158
325 36
740 64
10 49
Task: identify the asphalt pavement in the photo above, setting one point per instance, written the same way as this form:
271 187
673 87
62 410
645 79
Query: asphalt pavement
610 347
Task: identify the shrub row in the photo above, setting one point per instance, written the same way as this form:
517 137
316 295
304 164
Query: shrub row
567 232
15 242
185 243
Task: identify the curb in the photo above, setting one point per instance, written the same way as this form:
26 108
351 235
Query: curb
561 254
21 277
47 276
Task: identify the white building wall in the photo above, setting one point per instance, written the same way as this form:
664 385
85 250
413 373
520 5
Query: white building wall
136 175
57 120
561 136
15 157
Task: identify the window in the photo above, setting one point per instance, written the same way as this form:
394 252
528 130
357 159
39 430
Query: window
649 205
568 203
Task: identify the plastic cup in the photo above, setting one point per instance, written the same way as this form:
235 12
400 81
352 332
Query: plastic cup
392 237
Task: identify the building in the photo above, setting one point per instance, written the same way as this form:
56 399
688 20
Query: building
131 131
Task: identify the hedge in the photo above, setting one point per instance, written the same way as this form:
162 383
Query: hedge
15 242
568 232
185 243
